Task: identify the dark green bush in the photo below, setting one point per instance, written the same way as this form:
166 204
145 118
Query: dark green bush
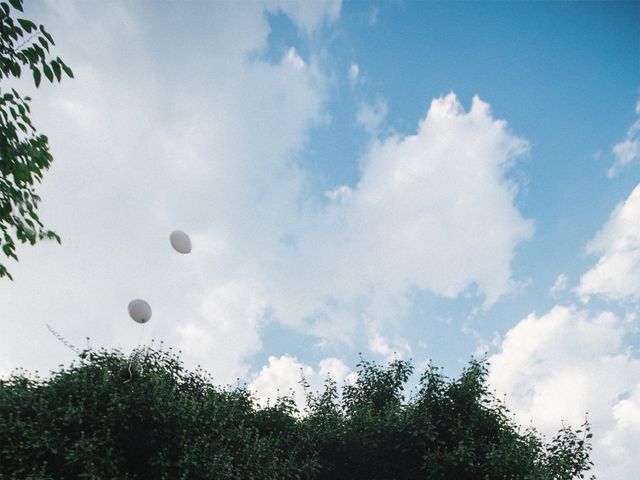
110 416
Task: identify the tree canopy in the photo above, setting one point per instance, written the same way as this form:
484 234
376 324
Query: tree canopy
24 153
113 416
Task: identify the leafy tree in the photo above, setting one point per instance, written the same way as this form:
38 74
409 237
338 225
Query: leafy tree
24 154
112 416
448 429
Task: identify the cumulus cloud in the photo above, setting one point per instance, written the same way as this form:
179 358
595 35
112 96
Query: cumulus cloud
283 376
565 364
627 151
559 285
227 328
371 116
146 142
432 212
388 349
622 440
308 16
616 275
208 144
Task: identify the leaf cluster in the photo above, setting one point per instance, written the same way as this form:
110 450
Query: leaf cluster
146 416
446 429
24 154
110 416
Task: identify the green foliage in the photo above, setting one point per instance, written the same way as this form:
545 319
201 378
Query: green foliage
448 429
24 154
145 416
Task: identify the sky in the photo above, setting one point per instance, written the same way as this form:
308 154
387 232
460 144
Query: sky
416 180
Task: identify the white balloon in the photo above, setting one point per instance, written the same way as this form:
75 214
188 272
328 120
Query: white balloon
139 310
180 241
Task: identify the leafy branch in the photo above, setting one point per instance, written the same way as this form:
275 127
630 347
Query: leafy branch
24 153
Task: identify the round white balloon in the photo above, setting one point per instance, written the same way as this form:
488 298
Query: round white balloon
139 310
180 241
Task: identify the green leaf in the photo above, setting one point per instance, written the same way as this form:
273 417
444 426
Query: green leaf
7 248
17 4
4 272
46 34
36 76
56 69
39 52
15 69
47 72
44 43
27 25
67 70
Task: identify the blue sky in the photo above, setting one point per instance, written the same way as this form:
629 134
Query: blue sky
564 76
370 177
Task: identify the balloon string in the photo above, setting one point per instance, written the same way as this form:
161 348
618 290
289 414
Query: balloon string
135 353
140 335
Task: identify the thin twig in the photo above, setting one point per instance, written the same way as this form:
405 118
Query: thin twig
33 35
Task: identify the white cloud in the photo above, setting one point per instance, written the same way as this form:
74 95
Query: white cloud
146 142
627 151
227 331
207 144
308 15
622 440
372 116
294 59
563 364
432 212
354 72
340 194
389 349
483 346
282 376
559 285
616 275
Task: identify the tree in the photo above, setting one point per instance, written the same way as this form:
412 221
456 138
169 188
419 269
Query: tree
113 416
447 429
24 153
